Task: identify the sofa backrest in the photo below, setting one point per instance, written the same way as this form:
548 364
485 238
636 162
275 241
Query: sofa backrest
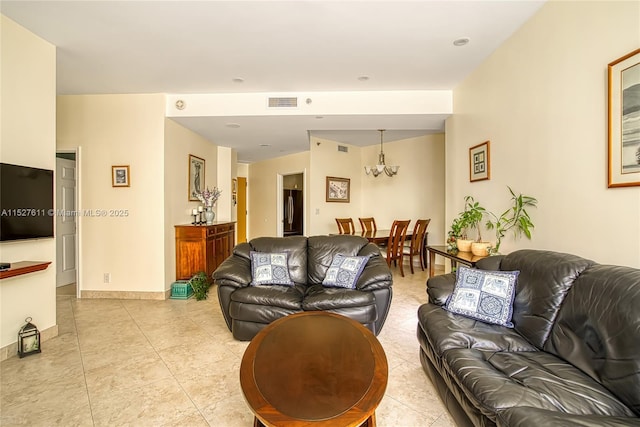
544 280
598 329
322 249
295 246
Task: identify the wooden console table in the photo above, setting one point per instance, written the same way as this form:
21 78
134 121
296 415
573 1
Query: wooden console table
23 267
466 258
202 247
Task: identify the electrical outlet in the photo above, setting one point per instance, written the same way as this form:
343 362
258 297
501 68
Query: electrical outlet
107 278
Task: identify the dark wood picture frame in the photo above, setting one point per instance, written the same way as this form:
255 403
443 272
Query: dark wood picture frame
624 121
196 176
338 189
120 176
480 162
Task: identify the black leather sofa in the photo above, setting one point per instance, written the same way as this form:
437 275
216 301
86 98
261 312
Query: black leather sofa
247 309
572 358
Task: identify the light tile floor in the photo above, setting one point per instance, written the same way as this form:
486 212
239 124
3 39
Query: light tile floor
175 363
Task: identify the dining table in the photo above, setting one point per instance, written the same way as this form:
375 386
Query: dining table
381 237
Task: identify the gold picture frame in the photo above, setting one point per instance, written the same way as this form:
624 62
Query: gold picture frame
196 177
120 176
338 189
624 121
480 162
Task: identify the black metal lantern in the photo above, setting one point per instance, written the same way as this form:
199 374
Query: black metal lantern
28 339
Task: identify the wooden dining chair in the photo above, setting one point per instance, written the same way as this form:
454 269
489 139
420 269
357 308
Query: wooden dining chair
415 246
397 236
368 224
345 226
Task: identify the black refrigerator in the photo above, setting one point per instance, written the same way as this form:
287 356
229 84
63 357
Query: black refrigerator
293 212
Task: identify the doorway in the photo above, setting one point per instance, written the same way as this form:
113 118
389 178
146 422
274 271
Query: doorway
293 205
66 219
242 209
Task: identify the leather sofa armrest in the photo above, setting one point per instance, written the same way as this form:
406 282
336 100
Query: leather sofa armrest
376 274
236 270
439 288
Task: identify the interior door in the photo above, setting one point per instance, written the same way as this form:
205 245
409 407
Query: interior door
242 209
65 222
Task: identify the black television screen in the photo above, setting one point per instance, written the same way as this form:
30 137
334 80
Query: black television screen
26 202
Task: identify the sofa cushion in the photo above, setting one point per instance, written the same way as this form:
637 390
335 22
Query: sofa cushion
322 249
484 295
544 280
295 246
598 329
524 416
270 269
289 297
358 305
445 331
345 271
493 381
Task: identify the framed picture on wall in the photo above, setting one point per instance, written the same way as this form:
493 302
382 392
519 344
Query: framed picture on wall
196 177
624 121
479 162
338 189
120 176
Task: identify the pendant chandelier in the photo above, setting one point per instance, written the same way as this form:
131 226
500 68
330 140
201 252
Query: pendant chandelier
381 166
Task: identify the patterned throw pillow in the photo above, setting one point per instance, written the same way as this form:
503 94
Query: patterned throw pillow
270 269
344 271
484 295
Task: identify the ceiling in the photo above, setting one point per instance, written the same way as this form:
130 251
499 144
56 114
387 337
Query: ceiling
203 47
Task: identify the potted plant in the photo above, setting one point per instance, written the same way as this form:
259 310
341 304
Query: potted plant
515 218
200 285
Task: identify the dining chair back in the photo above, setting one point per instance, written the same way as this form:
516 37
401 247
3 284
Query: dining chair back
397 237
368 224
415 247
345 226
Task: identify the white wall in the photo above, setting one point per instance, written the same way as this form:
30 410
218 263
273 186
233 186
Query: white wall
119 130
179 143
541 99
27 137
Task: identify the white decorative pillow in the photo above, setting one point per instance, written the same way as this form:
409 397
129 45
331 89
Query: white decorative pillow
270 269
344 271
484 295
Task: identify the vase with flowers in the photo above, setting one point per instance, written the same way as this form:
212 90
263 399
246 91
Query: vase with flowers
209 198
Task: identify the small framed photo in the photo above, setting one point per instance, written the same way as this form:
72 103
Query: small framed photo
120 176
624 121
479 162
196 177
338 189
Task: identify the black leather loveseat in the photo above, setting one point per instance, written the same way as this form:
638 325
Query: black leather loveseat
571 359
247 309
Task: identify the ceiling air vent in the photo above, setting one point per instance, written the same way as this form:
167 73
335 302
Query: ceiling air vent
283 102
343 148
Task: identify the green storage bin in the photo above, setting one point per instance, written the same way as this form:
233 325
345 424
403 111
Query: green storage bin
181 290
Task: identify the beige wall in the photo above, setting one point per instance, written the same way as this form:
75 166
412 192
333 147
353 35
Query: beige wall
262 192
416 192
179 142
27 137
541 99
119 130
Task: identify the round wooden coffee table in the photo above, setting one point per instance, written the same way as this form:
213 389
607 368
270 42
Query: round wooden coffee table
314 368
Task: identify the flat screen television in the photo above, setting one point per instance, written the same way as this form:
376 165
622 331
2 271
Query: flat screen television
26 202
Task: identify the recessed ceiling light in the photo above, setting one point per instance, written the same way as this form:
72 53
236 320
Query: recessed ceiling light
363 78
461 41
232 125
237 80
